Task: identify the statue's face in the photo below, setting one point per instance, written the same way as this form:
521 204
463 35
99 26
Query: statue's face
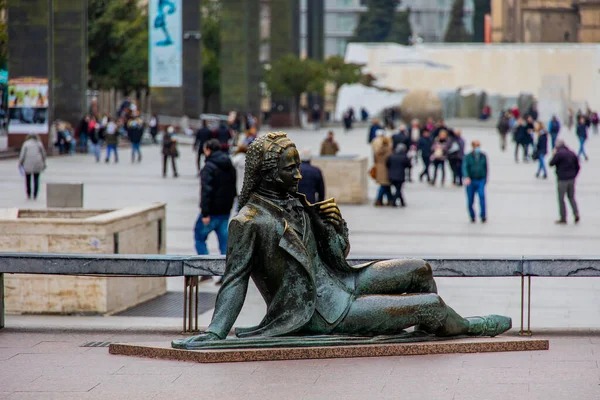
288 173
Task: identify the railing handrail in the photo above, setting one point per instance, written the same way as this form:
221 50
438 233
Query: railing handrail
183 265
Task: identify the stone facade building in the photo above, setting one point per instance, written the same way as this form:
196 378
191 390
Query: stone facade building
545 21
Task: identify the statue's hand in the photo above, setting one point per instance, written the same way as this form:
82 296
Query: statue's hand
190 341
330 213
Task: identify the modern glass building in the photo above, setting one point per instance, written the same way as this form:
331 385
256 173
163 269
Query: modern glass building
429 20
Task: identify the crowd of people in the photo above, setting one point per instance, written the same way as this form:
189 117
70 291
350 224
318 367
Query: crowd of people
396 152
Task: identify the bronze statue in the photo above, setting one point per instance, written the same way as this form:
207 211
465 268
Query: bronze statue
295 252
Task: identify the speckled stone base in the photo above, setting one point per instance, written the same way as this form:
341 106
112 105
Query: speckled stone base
484 345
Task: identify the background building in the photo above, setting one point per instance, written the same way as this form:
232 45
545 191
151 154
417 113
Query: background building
429 20
545 21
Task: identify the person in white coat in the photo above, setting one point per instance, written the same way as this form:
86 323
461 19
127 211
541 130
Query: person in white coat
239 162
32 161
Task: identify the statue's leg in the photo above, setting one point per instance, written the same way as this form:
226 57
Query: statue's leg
396 277
390 314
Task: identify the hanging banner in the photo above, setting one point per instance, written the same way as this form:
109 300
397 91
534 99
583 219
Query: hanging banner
28 105
165 41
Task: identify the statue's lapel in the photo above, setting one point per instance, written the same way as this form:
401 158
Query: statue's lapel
291 241
293 245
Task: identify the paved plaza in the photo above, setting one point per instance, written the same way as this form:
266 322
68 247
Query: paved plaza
40 357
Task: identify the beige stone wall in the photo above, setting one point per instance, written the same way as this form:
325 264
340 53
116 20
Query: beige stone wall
85 232
345 178
505 69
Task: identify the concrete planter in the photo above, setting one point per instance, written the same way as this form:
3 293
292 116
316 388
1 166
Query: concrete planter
131 230
345 178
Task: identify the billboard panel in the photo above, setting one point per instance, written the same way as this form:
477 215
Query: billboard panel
165 41
28 105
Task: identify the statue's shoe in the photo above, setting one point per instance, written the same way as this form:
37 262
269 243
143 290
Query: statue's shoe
491 325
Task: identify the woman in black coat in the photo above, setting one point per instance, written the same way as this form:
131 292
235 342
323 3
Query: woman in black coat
397 164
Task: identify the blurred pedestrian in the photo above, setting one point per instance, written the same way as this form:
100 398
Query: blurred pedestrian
373 130
112 140
153 128
397 165
312 184
239 163
475 176
424 147
541 149
567 168
135 131
316 117
554 129
582 134
382 150
439 151
203 135
224 135
456 154
170 151
217 193
503 128
329 147
520 138
32 161
364 114
82 131
96 141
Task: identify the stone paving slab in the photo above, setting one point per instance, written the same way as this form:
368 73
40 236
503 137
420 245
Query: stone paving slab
51 366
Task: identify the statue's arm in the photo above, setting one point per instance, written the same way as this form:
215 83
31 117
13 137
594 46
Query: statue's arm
331 231
240 249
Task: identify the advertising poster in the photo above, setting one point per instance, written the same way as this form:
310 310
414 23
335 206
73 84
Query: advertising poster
28 105
165 37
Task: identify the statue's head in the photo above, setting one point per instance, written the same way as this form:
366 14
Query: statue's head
273 161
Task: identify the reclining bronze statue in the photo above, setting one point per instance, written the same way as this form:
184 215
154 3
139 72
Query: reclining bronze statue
295 252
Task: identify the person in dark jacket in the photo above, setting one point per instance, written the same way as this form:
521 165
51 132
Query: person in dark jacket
135 131
475 175
456 154
520 139
169 150
217 193
554 129
541 147
424 147
312 184
397 165
567 168
582 135
401 137
203 135
224 134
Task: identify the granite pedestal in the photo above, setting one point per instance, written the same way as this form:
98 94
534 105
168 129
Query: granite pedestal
163 350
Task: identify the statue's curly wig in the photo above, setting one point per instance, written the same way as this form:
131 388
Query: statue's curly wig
262 157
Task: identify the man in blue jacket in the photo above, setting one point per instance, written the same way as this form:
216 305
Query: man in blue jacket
475 172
